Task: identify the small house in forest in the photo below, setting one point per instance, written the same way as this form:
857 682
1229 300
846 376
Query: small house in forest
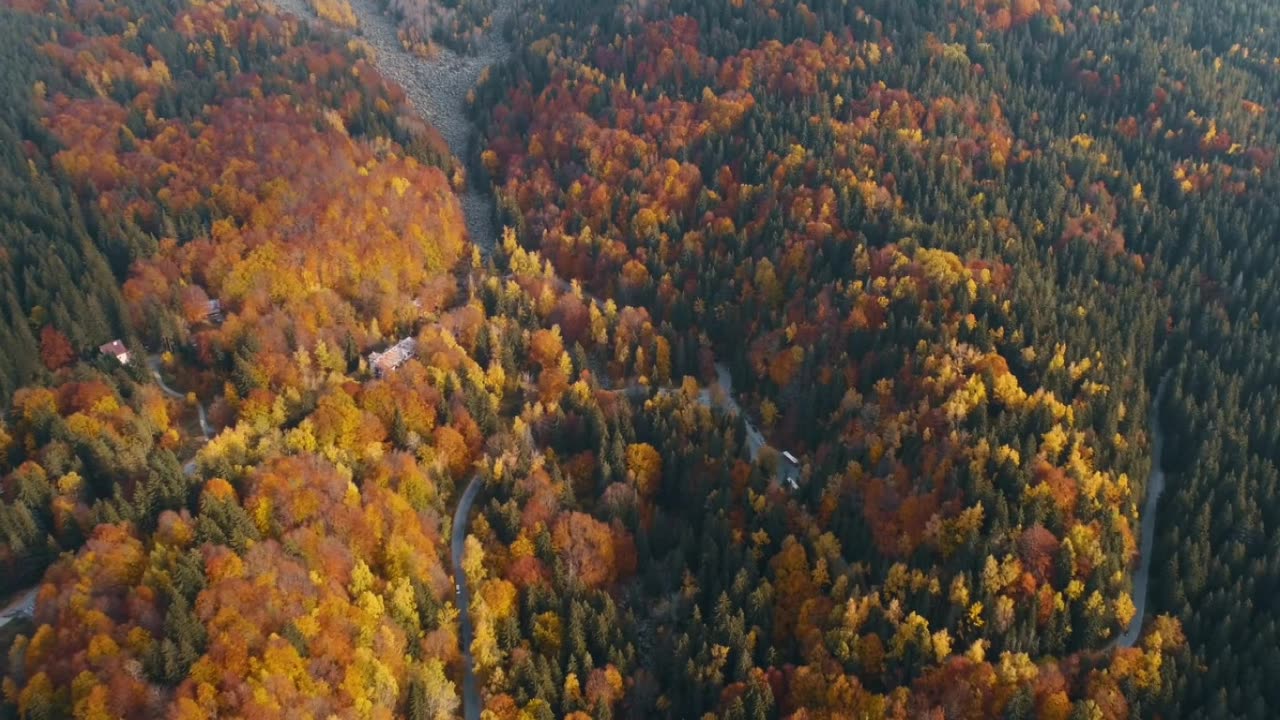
385 362
117 350
213 312
791 471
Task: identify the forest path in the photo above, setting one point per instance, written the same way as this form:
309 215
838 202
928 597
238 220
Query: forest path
788 472
1155 487
755 438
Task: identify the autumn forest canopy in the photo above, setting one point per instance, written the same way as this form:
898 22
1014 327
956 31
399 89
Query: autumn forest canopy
833 359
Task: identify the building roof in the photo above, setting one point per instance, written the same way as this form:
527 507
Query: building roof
395 356
115 348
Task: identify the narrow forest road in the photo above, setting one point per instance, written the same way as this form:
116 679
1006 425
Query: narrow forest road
755 438
153 362
461 517
787 470
756 441
1155 486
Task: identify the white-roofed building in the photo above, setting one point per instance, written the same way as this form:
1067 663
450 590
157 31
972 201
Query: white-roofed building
393 357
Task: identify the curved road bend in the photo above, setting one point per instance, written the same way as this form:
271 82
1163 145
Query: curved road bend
756 440
153 363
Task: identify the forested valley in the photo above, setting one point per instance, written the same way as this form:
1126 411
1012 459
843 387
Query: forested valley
818 371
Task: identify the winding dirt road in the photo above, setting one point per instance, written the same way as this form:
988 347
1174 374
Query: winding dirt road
788 472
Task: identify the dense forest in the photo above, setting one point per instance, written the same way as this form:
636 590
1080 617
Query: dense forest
948 253
812 376
426 25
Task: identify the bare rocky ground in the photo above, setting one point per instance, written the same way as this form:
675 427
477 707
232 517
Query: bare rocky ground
437 87
296 7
